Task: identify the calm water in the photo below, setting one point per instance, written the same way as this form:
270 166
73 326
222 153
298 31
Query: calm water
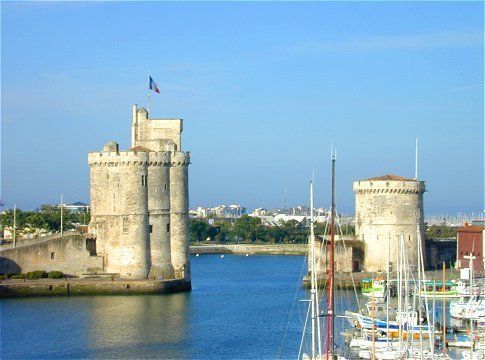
240 308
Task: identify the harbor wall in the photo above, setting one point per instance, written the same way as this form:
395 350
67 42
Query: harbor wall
75 287
251 249
69 254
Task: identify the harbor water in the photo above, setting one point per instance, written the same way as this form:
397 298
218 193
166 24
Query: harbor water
241 307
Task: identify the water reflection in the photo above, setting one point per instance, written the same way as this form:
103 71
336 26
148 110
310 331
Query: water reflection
121 326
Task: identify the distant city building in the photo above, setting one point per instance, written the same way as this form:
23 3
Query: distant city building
221 211
300 219
267 220
470 244
258 212
77 207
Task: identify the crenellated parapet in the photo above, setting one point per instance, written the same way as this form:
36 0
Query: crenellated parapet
389 187
181 158
161 158
118 159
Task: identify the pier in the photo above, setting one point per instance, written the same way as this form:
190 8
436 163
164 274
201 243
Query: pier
75 287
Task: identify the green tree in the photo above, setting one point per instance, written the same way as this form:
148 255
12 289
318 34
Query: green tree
36 220
197 230
6 219
224 233
52 216
246 227
441 232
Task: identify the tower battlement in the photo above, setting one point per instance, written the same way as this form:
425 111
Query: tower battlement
389 186
180 158
155 134
121 158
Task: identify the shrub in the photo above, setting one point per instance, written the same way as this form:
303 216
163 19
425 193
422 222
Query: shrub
38 274
18 276
55 275
9 275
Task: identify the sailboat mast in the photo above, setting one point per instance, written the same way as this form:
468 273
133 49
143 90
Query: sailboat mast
332 260
312 261
443 309
315 296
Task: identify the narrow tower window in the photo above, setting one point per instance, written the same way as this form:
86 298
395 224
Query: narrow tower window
126 225
168 227
144 179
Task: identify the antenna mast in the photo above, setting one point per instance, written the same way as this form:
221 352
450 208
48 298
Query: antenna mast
286 199
416 162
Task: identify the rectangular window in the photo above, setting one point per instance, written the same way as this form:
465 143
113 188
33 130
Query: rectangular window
150 227
144 180
126 225
168 227
53 255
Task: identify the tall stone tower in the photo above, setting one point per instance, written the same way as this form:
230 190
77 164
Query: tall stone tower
139 202
389 207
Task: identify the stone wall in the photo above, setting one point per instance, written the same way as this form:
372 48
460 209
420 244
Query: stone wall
69 254
251 249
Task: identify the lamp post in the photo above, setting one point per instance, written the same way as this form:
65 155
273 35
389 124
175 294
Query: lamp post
62 205
14 225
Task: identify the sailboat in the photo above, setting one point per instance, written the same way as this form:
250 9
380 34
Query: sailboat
374 288
474 308
317 351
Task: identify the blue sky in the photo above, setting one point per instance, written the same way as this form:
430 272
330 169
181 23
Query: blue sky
263 88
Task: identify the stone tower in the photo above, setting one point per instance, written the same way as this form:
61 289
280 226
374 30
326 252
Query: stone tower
139 202
389 207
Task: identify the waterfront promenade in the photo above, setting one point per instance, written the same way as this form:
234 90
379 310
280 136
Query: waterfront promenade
250 249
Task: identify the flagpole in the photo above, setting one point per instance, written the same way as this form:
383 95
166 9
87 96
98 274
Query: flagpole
416 161
148 93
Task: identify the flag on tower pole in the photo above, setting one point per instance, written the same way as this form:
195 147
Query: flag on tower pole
153 85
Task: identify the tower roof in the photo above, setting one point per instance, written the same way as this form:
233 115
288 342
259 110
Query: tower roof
390 177
140 148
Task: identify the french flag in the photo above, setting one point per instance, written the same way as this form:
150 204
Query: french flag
153 85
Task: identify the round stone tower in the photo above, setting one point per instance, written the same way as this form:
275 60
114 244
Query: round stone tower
119 209
139 202
179 207
159 214
389 207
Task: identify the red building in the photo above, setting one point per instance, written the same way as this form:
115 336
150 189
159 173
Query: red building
470 242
